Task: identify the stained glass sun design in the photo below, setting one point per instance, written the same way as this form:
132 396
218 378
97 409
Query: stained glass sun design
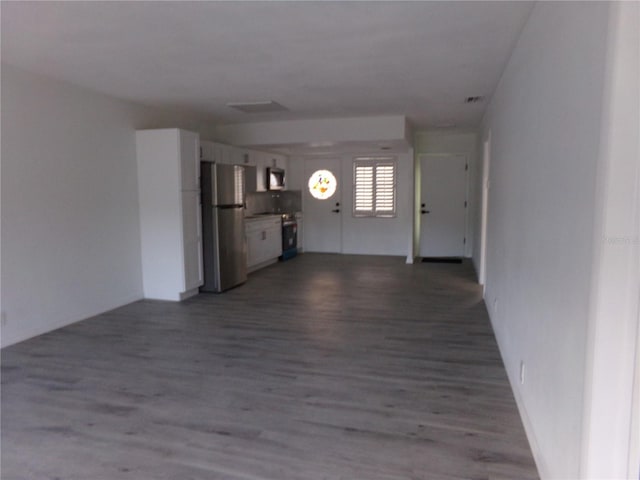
322 184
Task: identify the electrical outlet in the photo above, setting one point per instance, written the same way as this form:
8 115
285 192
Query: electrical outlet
3 318
522 371
495 305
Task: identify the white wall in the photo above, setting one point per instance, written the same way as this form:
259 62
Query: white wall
452 142
70 232
379 236
611 429
388 129
545 120
374 236
346 138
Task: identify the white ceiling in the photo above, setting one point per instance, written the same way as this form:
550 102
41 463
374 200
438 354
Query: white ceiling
319 59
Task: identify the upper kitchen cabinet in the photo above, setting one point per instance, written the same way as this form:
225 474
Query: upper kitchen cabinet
250 178
236 156
260 161
221 153
207 150
278 161
189 154
170 213
263 161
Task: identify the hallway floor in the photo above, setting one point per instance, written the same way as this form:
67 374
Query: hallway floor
322 367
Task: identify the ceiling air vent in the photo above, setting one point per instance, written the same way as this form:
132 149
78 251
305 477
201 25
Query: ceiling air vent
258 107
477 99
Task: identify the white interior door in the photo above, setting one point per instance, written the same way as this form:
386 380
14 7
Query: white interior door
322 217
443 205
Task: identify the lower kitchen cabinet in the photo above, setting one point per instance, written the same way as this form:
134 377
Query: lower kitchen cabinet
264 241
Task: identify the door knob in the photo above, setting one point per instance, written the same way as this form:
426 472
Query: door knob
425 211
337 210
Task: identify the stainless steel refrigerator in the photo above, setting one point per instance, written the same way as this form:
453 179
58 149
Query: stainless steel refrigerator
224 243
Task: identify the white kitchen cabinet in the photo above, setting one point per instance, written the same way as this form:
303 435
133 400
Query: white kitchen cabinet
227 154
278 161
207 150
221 153
189 158
261 171
264 241
244 156
236 155
249 159
259 160
170 212
250 178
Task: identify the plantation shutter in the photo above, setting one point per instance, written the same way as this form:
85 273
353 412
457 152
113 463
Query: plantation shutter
364 194
374 187
385 189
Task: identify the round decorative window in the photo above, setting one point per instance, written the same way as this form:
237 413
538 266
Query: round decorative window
322 184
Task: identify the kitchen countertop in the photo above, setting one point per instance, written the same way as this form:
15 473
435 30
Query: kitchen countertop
262 215
267 215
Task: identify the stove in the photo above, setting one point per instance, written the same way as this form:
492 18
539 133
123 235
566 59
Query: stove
289 236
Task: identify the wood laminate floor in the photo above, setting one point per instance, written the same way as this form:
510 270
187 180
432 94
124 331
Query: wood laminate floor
322 367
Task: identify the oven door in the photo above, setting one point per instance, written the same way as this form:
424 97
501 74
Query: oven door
289 235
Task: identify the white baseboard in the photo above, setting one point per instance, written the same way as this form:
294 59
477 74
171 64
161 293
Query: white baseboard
543 470
10 339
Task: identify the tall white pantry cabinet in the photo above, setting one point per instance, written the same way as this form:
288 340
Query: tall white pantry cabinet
170 212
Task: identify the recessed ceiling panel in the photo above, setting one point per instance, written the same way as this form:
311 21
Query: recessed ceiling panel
257 107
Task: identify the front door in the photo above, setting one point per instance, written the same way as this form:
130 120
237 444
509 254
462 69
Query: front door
443 205
322 206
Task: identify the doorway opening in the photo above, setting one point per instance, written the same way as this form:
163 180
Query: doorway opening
486 152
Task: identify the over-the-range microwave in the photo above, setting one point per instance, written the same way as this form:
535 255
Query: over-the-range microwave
275 178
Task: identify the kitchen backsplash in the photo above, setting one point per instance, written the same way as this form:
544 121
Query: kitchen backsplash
286 201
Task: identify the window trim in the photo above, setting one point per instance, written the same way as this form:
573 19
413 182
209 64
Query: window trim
375 163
